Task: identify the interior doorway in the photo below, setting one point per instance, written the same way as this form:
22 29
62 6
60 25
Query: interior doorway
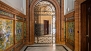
86 26
44 26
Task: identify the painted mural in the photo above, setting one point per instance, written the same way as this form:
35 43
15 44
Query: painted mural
6 34
18 35
70 33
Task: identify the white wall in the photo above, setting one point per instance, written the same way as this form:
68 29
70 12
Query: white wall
24 6
68 6
19 5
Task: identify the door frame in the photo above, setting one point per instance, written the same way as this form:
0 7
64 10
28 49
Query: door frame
58 22
83 24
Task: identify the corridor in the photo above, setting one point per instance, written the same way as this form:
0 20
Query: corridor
45 25
45 47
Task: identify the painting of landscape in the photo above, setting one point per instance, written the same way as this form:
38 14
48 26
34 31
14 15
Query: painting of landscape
19 30
6 34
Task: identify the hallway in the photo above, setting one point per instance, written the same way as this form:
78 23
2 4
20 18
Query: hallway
45 47
45 25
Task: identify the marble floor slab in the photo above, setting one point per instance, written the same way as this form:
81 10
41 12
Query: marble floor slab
44 47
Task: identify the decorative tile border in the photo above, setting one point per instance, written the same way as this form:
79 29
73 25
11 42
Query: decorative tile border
19 18
6 13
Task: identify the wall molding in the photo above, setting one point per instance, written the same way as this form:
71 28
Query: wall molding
70 14
9 9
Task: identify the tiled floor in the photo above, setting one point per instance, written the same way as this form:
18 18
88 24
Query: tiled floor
44 47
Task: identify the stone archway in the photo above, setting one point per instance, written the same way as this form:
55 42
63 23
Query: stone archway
58 22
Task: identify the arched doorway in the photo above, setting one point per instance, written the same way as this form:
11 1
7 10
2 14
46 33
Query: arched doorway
32 20
44 23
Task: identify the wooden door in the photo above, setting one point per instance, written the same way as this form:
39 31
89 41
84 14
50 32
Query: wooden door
89 32
83 24
46 27
88 17
86 26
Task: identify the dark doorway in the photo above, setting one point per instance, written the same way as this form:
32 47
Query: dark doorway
46 27
86 26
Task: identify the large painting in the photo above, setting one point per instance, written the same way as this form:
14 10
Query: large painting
70 32
6 34
19 28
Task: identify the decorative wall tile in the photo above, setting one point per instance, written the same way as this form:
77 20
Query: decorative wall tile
6 13
19 18
37 30
70 32
6 34
43 39
19 30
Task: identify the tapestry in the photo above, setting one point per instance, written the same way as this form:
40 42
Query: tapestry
19 30
6 34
